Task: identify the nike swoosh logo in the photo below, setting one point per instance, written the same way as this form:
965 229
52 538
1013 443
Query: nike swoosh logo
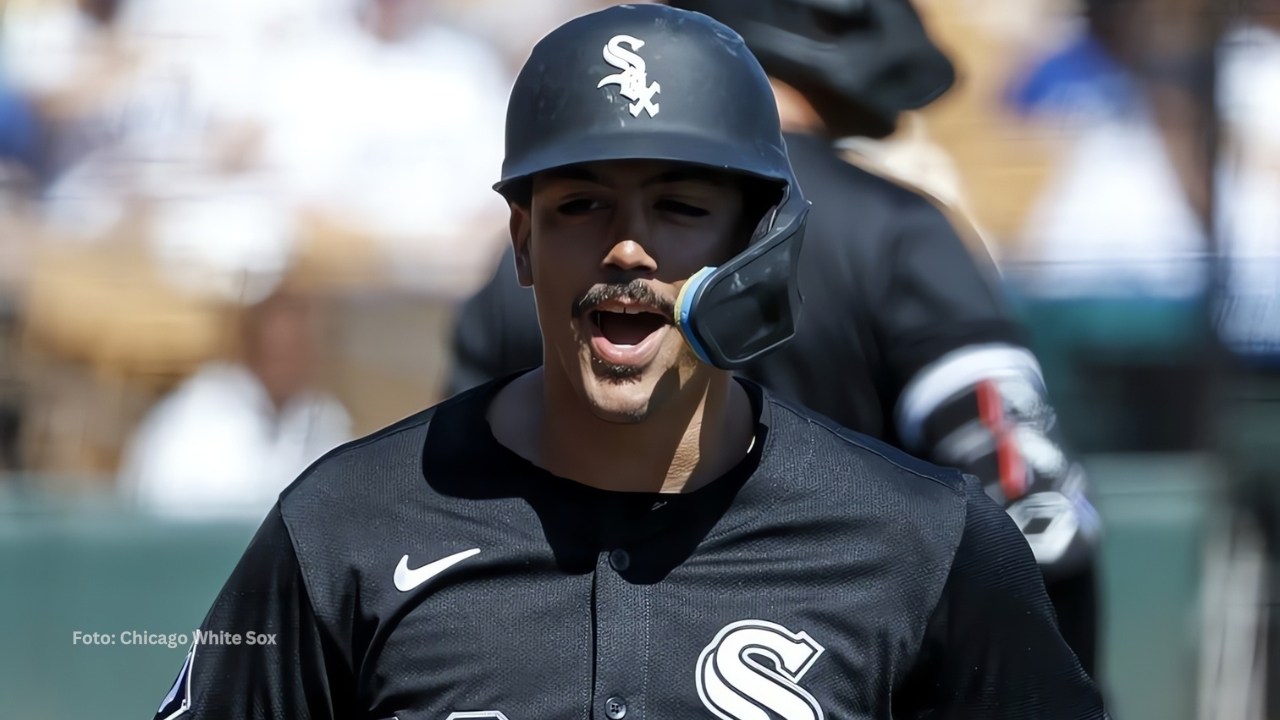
407 579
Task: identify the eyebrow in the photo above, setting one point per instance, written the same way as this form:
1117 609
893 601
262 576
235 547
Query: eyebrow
674 175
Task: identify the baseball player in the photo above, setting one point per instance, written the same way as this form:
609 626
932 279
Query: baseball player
905 336
629 530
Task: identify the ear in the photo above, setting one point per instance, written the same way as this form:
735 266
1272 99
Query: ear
521 225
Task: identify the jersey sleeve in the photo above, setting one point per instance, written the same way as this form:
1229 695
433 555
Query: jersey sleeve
992 648
260 652
936 294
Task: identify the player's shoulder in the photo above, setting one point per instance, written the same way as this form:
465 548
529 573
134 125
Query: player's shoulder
911 501
872 184
878 497
939 512
834 445
883 204
857 183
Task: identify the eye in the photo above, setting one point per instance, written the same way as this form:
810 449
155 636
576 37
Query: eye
681 208
579 206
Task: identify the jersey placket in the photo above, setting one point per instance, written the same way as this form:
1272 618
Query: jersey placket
621 612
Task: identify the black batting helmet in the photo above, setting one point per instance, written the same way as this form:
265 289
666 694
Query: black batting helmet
659 83
864 61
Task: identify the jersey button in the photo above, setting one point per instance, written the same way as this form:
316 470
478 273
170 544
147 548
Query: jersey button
615 707
620 560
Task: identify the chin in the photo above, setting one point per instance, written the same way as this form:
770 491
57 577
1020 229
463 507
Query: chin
633 393
618 394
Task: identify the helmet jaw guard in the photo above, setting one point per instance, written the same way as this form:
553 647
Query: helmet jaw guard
750 306
689 91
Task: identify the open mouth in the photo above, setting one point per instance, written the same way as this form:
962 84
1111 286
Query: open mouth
626 333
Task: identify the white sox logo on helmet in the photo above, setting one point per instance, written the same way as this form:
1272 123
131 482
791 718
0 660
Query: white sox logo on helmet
633 83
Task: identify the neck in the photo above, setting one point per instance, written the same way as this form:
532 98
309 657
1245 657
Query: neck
700 433
795 111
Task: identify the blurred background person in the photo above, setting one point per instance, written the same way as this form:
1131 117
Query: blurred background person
11 399
905 334
369 126
1115 220
22 134
1248 103
65 61
236 433
386 131
1115 252
21 131
1241 661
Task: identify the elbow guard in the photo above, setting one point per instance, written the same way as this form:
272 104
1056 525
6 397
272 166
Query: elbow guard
984 411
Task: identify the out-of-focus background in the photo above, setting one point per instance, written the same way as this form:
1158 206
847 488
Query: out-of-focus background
233 235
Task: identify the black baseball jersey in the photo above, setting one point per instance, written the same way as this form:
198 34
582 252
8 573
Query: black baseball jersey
428 572
889 287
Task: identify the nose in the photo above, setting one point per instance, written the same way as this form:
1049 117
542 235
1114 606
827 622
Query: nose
629 238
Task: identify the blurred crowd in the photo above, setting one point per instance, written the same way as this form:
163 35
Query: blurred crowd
230 233
233 234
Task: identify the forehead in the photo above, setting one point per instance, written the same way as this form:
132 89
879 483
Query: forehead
638 173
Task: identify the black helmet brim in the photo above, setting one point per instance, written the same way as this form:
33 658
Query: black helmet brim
693 148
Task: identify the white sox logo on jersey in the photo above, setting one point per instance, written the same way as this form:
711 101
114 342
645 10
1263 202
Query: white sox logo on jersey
735 684
632 82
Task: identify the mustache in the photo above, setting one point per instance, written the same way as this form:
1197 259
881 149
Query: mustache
636 291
